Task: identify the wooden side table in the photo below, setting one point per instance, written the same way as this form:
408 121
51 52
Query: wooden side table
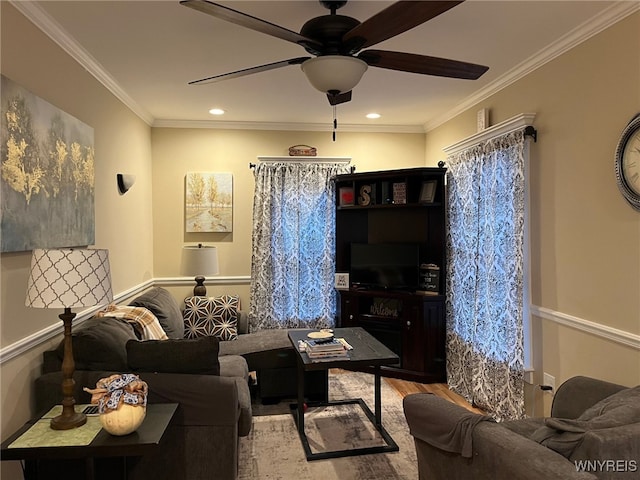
145 440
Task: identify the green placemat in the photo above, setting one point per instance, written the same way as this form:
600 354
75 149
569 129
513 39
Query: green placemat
42 435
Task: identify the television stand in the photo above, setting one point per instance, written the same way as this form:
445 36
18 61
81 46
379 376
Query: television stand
409 324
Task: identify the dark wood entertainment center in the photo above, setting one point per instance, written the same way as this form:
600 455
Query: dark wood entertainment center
399 207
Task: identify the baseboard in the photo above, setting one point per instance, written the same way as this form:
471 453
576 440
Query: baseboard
597 329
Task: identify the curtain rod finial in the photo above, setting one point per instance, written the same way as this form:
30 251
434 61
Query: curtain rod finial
529 130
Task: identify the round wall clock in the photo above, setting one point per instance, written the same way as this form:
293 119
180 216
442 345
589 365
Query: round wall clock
628 162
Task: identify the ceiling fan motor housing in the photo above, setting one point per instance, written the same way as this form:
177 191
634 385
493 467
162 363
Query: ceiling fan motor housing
328 30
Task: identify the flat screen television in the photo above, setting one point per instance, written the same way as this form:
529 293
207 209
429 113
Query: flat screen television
392 266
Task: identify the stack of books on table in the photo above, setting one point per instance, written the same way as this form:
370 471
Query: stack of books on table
326 351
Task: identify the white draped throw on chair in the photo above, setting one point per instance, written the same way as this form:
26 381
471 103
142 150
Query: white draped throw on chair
293 253
485 240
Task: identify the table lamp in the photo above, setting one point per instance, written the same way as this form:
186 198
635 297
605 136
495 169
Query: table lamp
200 261
66 278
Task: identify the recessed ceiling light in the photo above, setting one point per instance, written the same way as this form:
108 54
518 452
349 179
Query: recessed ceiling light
216 111
373 115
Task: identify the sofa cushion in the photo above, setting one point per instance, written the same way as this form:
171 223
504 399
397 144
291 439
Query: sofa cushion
211 316
263 349
100 344
195 356
233 366
565 435
165 308
524 426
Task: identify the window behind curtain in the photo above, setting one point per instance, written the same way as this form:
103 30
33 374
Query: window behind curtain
293 251
485 294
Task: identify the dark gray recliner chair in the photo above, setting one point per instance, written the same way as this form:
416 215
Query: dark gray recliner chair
594 432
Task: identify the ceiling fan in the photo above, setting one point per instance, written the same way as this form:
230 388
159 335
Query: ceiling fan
336 42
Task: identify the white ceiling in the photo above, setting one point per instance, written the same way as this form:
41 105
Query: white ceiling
147 51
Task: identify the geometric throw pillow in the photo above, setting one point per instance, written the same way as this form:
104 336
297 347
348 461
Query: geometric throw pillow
211 316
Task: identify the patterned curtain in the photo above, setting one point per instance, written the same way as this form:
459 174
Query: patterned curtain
293 253
486 194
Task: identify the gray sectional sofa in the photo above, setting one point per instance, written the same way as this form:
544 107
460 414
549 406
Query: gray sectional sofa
207 378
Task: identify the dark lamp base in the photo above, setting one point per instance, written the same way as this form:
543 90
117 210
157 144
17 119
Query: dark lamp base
66 421
199 290
69 418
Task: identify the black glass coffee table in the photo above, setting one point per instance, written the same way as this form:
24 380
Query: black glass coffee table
366 352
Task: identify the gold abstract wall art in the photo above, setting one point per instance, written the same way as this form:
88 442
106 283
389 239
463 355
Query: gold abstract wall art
47 174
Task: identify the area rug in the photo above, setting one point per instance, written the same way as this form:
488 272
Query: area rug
273 449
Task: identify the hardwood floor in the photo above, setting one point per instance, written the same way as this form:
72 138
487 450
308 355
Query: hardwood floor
405 387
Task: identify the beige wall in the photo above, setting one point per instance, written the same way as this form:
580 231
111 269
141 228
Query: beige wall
123 223
585 239
580 223
177 151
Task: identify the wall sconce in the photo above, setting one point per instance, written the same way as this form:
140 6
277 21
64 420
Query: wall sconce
125 182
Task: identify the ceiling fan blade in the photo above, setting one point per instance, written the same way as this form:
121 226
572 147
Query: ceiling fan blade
248 21
409 62
249 71
393 20
338 98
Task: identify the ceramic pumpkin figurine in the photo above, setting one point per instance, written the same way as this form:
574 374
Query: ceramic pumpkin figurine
122 401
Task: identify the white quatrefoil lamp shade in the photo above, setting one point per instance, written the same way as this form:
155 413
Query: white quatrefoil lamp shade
334 73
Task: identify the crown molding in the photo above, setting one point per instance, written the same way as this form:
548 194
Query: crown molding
55 32
612 15
41 19
305 127
575 37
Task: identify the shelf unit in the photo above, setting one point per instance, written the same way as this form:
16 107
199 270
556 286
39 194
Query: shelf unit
396 206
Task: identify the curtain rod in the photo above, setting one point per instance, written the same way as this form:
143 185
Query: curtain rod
522 120
345 160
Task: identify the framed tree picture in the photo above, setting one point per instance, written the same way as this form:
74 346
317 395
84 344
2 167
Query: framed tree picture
208 202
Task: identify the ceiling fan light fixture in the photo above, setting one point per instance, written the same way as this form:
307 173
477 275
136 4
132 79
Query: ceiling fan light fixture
334 73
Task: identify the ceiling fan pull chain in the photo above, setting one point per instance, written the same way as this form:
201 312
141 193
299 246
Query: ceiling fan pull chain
335 123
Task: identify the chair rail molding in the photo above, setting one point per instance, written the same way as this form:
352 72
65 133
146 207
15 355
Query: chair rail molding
37 338
217 280
603 331
31 341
